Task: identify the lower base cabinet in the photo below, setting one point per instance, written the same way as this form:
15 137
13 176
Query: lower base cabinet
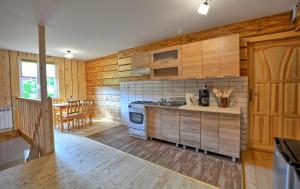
190 128
210 132
170 125
229 135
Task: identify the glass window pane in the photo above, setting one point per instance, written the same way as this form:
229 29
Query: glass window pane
29 69
52 87
50 70
29 87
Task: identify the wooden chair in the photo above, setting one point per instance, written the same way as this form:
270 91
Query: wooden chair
56 112
83 112
90 111
72 114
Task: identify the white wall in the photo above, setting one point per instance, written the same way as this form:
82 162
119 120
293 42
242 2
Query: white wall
155 90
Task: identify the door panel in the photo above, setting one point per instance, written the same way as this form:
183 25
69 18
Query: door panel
291 128
275 109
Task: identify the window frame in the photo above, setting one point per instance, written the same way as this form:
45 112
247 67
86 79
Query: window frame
38 76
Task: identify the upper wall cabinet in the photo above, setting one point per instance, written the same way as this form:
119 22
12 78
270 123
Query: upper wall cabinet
230 56
167 57
140 61
166 64
221 57
211 58
192 60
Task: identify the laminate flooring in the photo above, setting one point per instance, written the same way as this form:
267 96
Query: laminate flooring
82 163
214 169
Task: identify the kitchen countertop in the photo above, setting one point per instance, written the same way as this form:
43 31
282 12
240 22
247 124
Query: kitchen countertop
212 108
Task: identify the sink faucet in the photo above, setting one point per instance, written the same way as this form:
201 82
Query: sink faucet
163 100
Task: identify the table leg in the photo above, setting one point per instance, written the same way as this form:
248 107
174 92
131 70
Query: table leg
61 120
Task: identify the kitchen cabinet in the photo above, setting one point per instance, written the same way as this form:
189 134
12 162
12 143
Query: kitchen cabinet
229 135
192 60
139 61
210 132
229 56
167 57
154 129
221 57
190 128
216 132
166 64
170 125
211 58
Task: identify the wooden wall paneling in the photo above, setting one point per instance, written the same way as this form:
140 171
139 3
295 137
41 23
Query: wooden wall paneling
5 92
81 80
60 63
68 78
75 79
14 74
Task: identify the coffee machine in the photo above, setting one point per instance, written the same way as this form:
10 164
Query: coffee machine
204 96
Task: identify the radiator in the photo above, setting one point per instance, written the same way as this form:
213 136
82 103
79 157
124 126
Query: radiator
5 118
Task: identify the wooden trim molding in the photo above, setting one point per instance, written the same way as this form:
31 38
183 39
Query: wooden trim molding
9 135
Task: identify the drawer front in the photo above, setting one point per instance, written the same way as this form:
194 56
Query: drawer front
229 136
170 125
210 132
190 121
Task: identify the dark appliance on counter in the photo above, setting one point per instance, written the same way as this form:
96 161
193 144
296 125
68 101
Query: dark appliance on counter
286 171
204 96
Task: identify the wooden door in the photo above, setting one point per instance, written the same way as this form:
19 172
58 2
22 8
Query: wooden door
211 58
190 128
275 82
154 122
192 60
210 132
230 56
170 125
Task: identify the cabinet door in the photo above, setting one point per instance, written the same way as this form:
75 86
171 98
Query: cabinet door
211 57
190 128
140 61
154 122
192 60
170 125
230 56
229 135
210 132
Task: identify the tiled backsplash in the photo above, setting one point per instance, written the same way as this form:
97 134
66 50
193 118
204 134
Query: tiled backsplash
155 90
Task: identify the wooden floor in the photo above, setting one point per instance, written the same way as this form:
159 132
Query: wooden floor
213 169
258 170
82 163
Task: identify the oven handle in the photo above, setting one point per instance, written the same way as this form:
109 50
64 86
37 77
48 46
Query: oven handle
136 110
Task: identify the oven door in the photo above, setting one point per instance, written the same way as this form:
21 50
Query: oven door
136 120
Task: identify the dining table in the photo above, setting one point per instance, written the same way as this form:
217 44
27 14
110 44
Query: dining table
60 108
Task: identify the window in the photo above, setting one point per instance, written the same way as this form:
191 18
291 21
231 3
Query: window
29 82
